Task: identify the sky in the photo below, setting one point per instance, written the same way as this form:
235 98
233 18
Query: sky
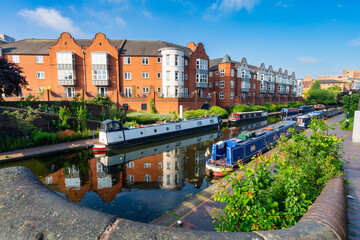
311 37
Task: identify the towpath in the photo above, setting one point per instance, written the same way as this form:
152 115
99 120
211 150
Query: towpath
197 212
45 150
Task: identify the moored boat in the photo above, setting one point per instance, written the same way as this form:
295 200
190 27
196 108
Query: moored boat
319 106
227 154
288 111
239 117
307 108
305 120
114 135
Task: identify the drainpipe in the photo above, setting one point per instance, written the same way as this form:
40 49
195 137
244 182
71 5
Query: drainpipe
84 68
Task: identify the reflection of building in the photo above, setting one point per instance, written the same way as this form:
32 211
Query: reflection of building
348 79
145 170
173 170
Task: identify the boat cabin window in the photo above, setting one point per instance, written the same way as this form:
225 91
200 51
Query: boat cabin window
199 123
253 148
178 127
212 121
111 126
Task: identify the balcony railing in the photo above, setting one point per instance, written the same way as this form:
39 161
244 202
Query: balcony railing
67 82
201 85
180 95
101 82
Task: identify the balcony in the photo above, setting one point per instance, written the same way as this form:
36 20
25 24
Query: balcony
101 82
67 82
201 85
263 89
271 90
245 89
63 66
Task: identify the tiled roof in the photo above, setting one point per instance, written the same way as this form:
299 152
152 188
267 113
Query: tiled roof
330 81
29 46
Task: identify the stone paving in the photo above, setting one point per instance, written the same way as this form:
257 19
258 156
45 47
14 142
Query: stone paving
45 150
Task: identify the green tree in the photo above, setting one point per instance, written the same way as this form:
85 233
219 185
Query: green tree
11 79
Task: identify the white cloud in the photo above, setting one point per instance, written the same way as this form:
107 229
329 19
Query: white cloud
308 60
340 5
147 14
355 42
282 4
51 18
119 21
223 7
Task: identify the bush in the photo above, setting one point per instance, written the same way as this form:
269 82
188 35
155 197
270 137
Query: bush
11 143
64 116
240 108
270 107
142 119
295 104
343 124
40 137
215 110
196 113
103 101
145 118
130 124
67 135
280 106
116 113
275 191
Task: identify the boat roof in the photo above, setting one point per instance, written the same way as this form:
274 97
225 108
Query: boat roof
250 112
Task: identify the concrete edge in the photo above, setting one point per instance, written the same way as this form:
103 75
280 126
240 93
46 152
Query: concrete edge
326 218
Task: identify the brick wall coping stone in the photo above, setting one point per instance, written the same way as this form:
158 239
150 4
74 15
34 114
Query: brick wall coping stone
29 210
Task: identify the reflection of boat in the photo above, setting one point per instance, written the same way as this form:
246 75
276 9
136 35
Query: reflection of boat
112 161
239 128
231 152
247 116
114 135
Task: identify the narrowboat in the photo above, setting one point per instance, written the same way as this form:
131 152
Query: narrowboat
114 135
307 108
288 111
227 154
305 120
330 112
319 106
239 117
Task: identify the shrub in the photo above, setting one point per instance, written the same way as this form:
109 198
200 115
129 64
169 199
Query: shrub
67 135
25 120
64 116
275 191
103 101
85 133
130 124
215 110
116 113
152 107
343 124
270 107
81 118
44 137
196 113
280 106
157 117
240 108
10 143
295 104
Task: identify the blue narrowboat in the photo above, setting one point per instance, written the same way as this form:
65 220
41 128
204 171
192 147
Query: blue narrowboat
305 120
227 154
307 108
288 111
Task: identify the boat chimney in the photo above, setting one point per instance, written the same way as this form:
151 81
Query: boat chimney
181 111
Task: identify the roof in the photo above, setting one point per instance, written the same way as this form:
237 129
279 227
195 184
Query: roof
253 68
133 48
214 63
226 59
330 81
148 48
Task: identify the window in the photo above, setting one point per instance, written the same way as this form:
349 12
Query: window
222 72
99 58
201 78
128 91
130 165
127 75
69 92
159 75
143 106
210 84
145 75
243 73
221 95
222 84
186 77
216 72
167 60
40 75
15 58
231 95
210 74
270 78
102 91
216 83
232 72
176 60
262 77
159 89
167 75
126 106
65 74
100 74
158 59
127 60
160 164
176 76
245 84
65 58
201 64
145 60
253 148
147 165
41 89
254 86
232 84
243 96
131 178
186 62
147 178
145 90
39 59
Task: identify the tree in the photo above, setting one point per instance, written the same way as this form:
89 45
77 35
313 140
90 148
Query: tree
11 80
315 85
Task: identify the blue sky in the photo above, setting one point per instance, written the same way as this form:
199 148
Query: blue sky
312 38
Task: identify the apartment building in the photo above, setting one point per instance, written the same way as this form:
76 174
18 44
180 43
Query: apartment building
241 83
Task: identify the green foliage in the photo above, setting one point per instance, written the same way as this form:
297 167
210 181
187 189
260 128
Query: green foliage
354 103
215 110
335 88
116 113
64 116
81 118
24 120
148 118
318 95
131 124
295 104
240 108
40 137
196 113
99 100
25 102
11 143
270 107
275 191
152 107
281 106
315 86
343 124
67 135
54 109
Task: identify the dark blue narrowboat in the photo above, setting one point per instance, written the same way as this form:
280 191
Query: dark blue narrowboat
307 108
330 112
288 111
227 154
305 120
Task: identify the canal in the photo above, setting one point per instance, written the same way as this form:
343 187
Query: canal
139 183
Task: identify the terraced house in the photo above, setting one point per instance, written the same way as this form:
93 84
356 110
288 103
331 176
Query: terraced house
241 83
133 73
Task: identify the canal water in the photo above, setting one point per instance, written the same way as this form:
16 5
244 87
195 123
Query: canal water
139 183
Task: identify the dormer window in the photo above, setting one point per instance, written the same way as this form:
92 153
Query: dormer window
262 77
243 73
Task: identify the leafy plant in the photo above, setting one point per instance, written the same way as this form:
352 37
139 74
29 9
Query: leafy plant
152 107
99 100
67 135
196 113
81 118
214 110
40 137
24 120
116 113
64 116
